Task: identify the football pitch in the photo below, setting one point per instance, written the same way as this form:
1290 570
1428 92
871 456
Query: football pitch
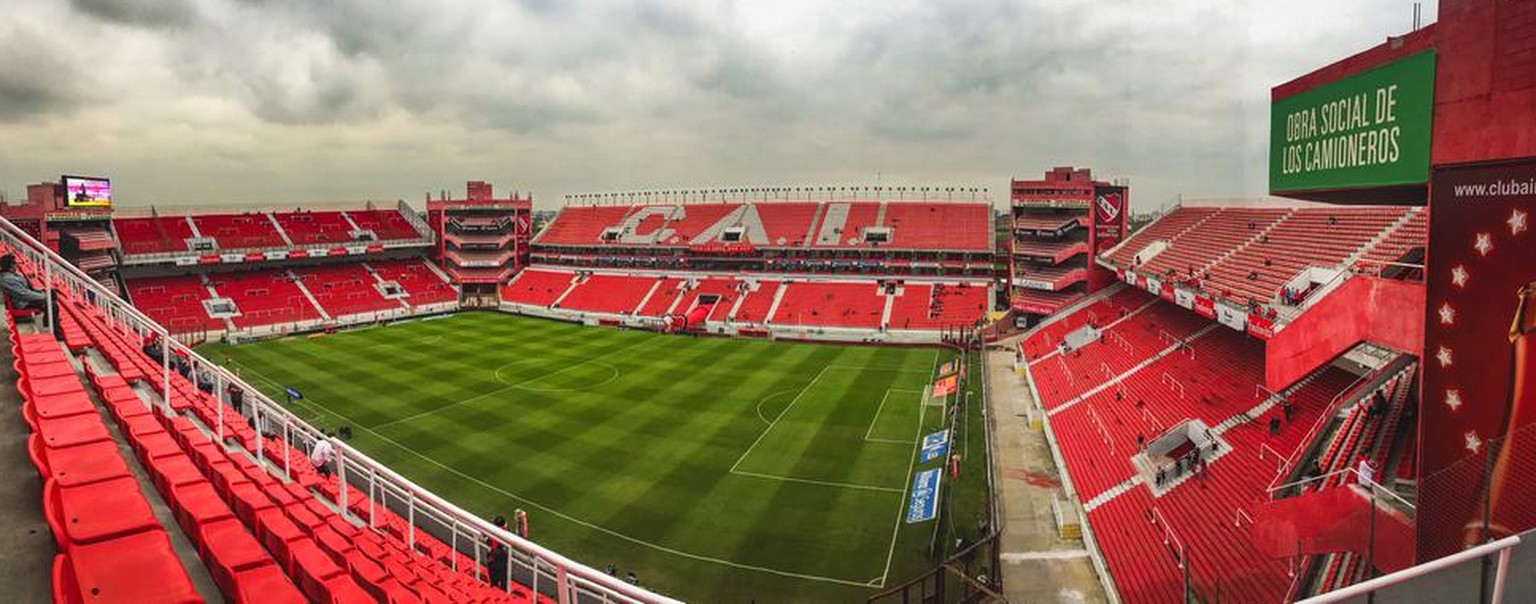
716 470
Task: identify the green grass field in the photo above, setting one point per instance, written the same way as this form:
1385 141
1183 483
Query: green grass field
718 470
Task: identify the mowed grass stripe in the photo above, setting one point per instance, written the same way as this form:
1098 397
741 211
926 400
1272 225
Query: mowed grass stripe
645 455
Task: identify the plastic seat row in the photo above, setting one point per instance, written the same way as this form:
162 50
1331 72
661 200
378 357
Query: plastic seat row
110 545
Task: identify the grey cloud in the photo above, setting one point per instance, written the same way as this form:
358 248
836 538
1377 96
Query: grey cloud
585 95
33 82
141 13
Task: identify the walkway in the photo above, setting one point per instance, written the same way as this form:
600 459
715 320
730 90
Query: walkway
1038 565
26 545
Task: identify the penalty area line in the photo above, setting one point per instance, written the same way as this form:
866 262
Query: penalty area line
825 483
770 397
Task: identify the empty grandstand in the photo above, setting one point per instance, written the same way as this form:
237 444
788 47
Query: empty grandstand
261 272
896 265
261 514
1277 257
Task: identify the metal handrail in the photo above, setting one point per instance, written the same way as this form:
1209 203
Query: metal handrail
1282 463
1375 485
1169 534
1502 547
1322 418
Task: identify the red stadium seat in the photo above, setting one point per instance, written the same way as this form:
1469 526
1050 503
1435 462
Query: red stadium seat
265 585
98 511
79 465
140 567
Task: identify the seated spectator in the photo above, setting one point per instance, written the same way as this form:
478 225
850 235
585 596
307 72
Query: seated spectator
19 293
205 381
152 348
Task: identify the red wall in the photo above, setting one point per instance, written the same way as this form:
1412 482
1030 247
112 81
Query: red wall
1485 88
1369 309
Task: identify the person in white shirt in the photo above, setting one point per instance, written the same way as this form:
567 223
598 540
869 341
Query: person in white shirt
1366 472
323 454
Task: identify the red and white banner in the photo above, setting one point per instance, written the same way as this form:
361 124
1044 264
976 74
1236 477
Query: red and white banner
1184 297
1205 307
1232 317
1261 327
945 386
1031 308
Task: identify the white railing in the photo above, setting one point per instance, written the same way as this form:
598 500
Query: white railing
1146 414
1124 344
1502 547
1169 537
1239 516
1173 384
1317 425
1103 431
412 217
1281 462
548 572
130 258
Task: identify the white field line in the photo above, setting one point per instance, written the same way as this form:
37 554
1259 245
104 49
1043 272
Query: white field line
868 434
803 389
911 463
895 533
768 398
825 483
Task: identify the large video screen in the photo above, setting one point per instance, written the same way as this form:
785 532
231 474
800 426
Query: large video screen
87 192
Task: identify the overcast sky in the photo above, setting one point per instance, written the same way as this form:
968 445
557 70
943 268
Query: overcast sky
276 101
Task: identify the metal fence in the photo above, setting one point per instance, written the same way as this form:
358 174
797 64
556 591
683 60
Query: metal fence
549 573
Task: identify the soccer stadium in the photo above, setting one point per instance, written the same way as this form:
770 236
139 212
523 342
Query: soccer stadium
979 389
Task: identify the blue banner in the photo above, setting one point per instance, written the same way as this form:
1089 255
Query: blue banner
935 445
294 394
924 502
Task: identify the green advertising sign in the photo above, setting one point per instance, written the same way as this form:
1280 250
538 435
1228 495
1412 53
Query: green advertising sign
1368 130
